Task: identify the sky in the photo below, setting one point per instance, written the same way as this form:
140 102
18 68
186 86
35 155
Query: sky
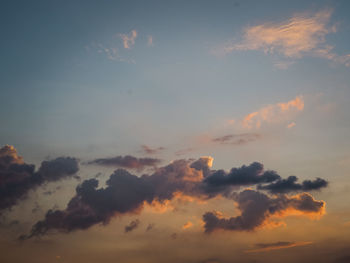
175 131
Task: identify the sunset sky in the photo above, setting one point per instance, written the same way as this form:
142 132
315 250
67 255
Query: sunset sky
175 131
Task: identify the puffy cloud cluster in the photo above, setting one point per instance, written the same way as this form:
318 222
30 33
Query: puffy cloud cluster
17 178
258 208
290 185
126 193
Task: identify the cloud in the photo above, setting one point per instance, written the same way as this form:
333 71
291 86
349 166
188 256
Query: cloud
184 151
291 125
273 113
187 180
257 209
148 150
150 227
237 139
290 185
127 161
150 41
302 34
111 53
17 178
129 39
187 225
263 247
133 225
245 175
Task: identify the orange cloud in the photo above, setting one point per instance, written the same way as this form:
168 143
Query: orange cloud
129 39
293 210
150 41
291 125
302 34
273 113
187 225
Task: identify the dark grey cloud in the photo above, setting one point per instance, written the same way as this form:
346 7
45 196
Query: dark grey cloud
290 185
149 150
245 175
125 193
17 178
150 227
237 139
256 208
132 226
127 161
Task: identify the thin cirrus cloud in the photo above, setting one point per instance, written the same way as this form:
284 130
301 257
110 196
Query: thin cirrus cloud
264 247
129 39
273 113
149 150
191 180
304 34
127 161
187 225
237 139
150 41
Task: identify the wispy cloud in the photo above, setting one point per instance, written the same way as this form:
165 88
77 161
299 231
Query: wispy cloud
126 161
149 150
237 139
263 247
187 225
129 39
273 113
133 225
150 41
291 125
302 34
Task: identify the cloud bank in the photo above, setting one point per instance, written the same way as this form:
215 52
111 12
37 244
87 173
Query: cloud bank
126 193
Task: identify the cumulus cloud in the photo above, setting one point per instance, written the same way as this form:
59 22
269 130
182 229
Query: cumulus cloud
132 226
126 193
257 209
302 34
127 161
129 39
273 113
17 178
290 185
245 175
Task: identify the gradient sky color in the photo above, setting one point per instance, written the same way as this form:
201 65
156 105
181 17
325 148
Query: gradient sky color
140 84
